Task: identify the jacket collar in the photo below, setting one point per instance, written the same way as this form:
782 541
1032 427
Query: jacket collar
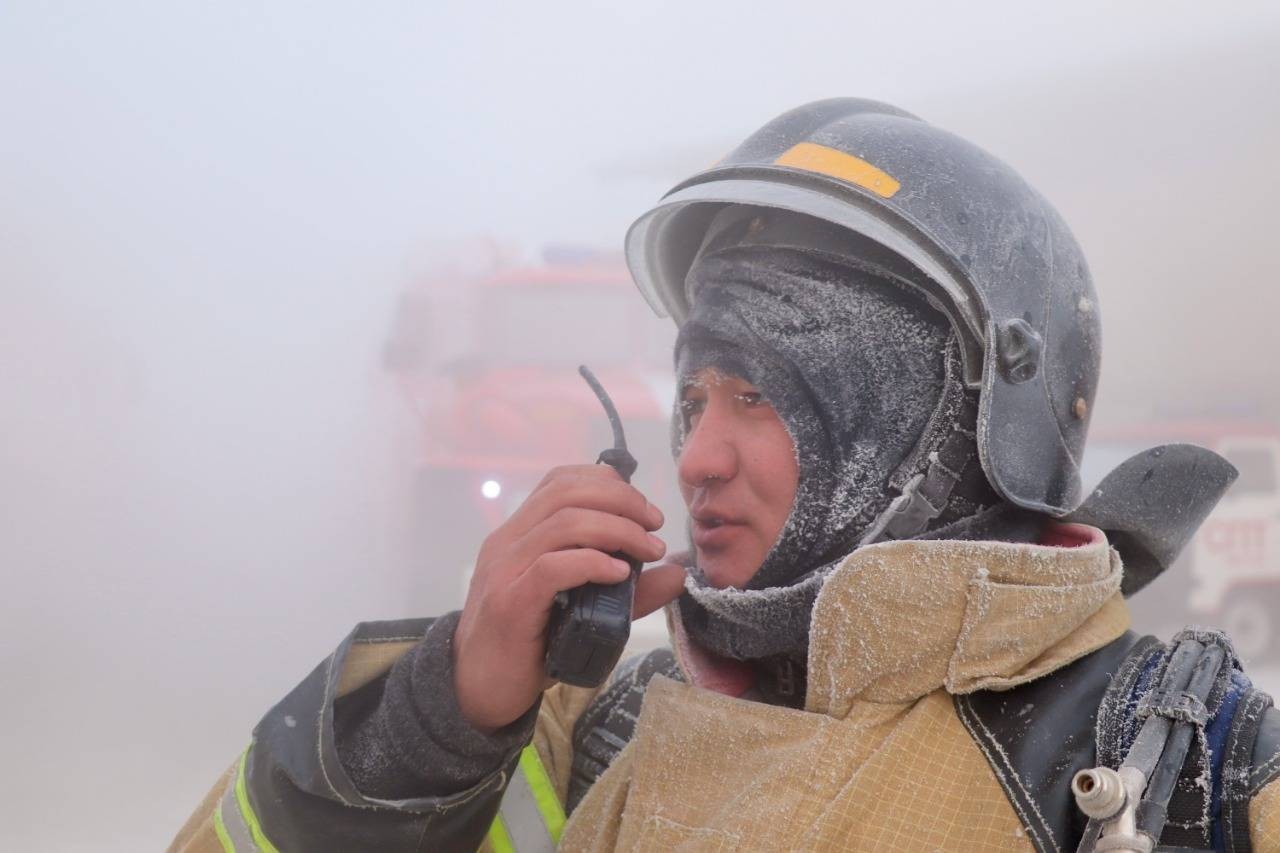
898 620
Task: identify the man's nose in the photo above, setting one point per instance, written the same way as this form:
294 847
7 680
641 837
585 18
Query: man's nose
709 451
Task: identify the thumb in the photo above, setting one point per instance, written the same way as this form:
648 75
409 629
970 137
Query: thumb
657 586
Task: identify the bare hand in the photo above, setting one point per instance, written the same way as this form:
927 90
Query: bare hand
559 538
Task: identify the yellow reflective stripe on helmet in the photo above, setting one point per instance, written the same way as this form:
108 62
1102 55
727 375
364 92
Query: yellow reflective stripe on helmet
833 163
499 840
544 793
530 818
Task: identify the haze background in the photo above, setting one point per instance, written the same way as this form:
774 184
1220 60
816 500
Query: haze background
207 211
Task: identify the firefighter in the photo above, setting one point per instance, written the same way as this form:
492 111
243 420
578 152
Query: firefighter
898 626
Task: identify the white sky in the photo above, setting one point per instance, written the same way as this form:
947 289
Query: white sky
444 117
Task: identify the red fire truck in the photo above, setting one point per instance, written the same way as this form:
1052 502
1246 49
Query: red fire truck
1229 575
488 362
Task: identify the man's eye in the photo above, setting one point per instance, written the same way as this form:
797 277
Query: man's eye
690 409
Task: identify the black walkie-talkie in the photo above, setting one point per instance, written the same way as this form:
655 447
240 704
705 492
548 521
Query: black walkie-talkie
590 625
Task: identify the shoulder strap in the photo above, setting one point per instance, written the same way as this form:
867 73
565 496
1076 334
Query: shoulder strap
1266 750
610 720
1185 715
1036 736
1252 760
1185 711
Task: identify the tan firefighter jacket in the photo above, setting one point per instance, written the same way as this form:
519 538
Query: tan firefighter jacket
879 759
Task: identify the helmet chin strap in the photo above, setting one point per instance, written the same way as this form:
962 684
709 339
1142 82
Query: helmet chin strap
946 447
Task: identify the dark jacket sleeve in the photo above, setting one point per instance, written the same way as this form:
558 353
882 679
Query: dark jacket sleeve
404 736
358 758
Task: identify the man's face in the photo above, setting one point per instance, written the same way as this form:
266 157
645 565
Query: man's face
738 475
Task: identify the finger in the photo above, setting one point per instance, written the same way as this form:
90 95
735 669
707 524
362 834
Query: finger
562 570
593 486
589 492
574 527
596 471
657 587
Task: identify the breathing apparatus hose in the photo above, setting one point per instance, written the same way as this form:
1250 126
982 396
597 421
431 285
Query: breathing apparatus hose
1128 807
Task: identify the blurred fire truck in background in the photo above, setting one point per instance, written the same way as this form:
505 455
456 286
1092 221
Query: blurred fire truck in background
486 355
1229 576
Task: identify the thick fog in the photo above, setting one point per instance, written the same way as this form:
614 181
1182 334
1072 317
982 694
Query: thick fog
209 214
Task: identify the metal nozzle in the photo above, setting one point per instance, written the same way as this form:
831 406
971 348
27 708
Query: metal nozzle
1099 792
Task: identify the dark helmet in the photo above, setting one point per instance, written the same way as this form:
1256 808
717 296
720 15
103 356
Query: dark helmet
984 247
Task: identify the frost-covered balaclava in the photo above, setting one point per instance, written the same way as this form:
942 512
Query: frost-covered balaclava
860 370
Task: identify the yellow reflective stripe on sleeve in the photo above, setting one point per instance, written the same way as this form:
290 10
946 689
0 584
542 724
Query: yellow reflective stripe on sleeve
246 810
221 829
544 793
530 818
235 835
499 840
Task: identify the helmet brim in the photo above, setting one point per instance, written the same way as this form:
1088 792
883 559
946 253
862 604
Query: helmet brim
661 245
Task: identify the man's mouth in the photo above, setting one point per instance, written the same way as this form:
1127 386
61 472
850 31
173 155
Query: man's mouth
712 531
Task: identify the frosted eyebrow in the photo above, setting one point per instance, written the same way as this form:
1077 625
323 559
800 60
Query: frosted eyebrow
691 383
